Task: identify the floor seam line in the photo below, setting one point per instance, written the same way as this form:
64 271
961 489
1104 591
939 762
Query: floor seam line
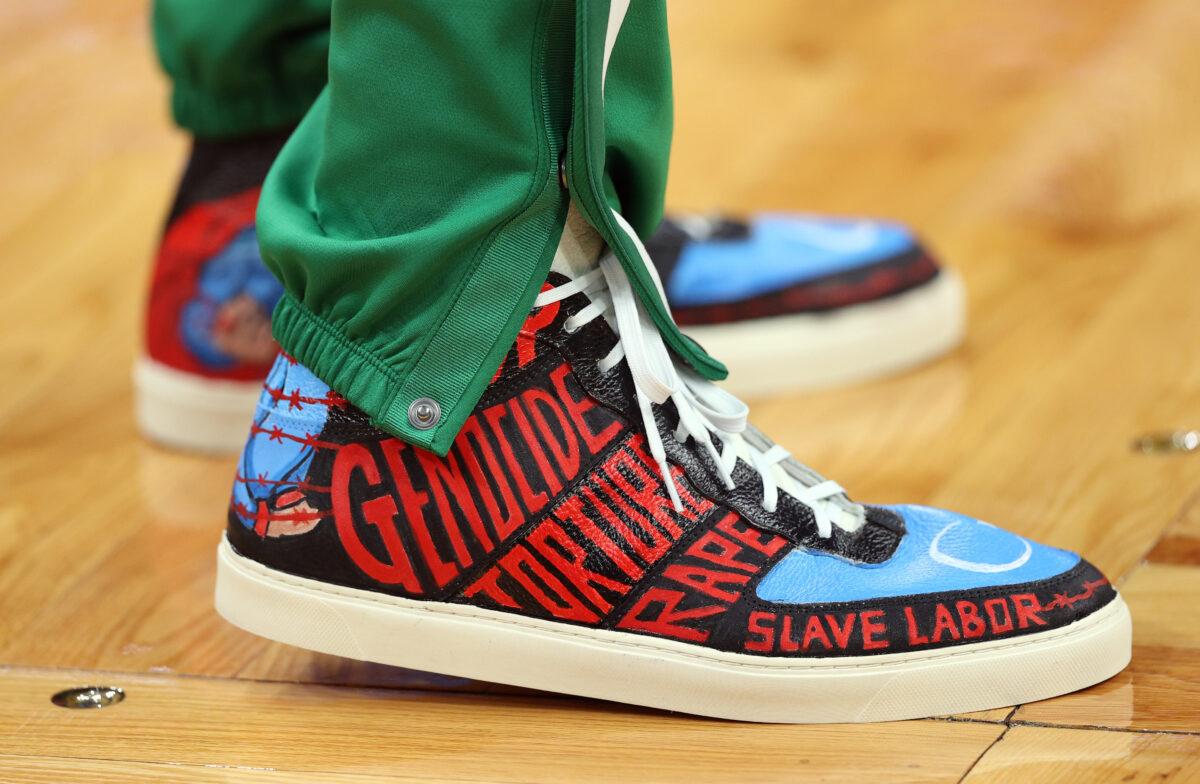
1101 728
984 753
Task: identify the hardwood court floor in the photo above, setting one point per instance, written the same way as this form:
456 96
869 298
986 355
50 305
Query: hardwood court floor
1046 149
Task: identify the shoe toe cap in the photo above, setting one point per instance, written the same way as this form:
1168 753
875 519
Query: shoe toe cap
941 553
952 580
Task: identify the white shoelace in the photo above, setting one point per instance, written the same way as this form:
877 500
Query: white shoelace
705 410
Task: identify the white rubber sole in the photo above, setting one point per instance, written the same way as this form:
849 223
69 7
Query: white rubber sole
469 642
808 351
190 412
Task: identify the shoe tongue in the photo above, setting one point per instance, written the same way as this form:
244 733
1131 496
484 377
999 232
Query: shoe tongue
579 249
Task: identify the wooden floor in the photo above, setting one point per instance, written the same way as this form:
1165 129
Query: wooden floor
1048 150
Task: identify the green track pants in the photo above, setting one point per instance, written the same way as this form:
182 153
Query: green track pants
414 212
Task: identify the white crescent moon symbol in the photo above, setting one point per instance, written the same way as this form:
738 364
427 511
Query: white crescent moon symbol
974 566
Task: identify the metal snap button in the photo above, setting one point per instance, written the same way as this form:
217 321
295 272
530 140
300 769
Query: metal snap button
89 697
424 413
1168 442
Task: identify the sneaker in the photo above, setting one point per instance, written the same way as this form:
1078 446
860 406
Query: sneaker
607 525
208 341
792 302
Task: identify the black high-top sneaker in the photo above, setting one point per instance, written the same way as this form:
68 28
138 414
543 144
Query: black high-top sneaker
607 525
791 301
208 341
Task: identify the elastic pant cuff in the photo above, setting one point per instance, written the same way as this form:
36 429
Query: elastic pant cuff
346 366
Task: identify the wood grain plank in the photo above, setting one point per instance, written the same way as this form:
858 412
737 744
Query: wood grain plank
1051 754
56 770
436 736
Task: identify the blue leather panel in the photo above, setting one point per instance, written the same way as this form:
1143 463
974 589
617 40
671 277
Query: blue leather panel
781 251
942 551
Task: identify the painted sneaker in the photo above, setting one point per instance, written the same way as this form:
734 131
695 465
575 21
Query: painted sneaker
208 338
607 525
792 302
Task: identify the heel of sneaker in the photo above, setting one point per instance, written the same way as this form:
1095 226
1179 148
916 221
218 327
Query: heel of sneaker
189 412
